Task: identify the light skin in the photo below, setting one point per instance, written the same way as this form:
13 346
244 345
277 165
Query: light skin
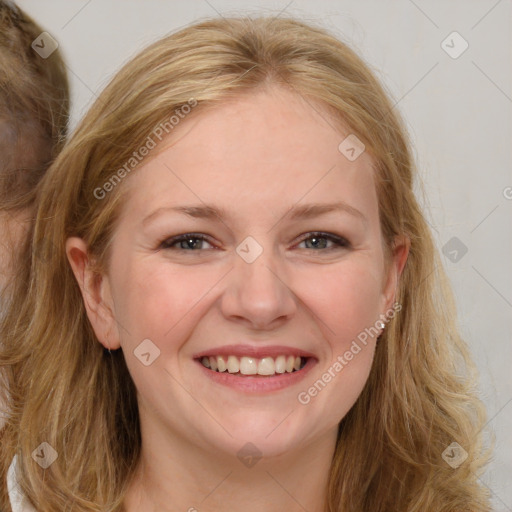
13 228
22 149
256 157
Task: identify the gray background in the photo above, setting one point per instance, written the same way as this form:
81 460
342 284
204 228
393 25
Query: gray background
458 111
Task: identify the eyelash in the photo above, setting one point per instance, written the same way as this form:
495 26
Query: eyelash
341 242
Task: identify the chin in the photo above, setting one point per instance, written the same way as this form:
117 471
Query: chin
263 437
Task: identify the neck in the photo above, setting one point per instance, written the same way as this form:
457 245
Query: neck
173 475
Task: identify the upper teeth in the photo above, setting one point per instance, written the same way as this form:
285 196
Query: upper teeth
252 365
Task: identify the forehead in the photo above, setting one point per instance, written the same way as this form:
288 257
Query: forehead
269 148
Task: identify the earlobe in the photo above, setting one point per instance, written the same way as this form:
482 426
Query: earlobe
95 293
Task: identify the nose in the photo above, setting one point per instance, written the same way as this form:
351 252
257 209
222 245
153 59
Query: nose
256 294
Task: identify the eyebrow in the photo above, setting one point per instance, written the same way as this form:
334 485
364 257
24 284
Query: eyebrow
306 211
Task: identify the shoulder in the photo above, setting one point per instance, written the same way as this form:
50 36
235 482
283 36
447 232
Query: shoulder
19 502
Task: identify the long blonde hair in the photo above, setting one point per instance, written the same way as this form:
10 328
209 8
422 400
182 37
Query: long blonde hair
68 391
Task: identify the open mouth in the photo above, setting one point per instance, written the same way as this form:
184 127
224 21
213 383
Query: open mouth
245 366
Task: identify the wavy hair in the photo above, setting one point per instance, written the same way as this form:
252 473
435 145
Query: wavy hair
67 390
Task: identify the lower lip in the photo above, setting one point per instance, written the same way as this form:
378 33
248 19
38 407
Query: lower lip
259 384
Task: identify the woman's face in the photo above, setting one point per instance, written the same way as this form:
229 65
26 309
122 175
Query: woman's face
255 286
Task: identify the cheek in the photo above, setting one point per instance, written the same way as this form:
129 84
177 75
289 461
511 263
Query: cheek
157 305
158 301
347 302
346 298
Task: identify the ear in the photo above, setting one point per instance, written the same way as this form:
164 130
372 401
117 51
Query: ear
399 254
96 293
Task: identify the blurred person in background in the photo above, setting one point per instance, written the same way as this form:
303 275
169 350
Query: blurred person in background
34 111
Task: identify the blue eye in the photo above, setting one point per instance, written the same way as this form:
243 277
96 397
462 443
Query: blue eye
320 240
194 242
187 241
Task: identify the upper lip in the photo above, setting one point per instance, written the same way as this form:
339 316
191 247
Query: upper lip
257 352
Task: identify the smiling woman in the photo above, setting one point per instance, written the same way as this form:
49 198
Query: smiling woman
260 300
